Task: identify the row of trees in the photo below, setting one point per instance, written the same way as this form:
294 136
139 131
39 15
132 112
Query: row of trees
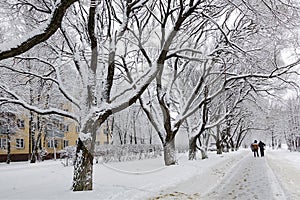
283 123
190 64
291 133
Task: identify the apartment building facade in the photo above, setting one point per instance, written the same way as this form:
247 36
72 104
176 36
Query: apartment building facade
49 135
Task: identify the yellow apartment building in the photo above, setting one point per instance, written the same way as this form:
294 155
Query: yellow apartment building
14 128
58 133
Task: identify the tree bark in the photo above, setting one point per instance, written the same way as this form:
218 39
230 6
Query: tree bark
169 152
8 149
192 148
83 168
203 153
219 147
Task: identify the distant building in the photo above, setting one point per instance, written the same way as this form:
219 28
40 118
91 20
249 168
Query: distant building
56 133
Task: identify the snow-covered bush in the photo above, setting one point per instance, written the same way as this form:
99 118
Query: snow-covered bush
113 153
108 153
68 153
42 154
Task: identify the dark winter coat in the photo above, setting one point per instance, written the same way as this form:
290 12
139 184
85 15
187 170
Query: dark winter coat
261 145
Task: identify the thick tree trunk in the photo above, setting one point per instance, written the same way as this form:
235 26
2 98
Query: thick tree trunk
169 152
83 169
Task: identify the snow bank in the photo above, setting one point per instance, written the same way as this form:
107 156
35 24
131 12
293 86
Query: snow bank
144 179
127 180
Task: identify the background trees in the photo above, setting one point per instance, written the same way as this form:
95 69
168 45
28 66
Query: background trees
283 123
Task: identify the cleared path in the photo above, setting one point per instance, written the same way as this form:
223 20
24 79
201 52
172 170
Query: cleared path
246 178
251 179
287 171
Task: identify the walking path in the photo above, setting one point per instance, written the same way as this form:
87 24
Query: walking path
252 178
271 177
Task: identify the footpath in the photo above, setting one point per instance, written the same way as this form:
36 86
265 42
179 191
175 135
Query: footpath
273 177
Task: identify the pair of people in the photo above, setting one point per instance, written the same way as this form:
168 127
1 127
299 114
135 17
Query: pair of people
255 146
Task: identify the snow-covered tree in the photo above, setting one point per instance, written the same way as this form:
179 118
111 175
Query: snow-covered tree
93 41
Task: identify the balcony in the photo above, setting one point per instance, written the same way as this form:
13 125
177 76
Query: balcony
55 133
5 130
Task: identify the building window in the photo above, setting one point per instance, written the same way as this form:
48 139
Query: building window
105 132
3 143
4 129
66 128
20 143
52 143
61 127
21 123
66 143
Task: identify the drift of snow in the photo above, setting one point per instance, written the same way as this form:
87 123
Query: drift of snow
150 179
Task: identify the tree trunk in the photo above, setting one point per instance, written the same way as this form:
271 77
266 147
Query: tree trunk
8 149
203 154
83 168
219 147
30 135
150 136
37 147
203 149
125 138
120 137
169 152
192 148
218 139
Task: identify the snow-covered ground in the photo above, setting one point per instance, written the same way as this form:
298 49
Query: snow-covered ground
235 175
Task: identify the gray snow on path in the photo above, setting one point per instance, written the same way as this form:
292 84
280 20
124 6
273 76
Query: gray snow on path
273 177
251 179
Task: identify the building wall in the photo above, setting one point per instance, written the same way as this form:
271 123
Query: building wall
70 136
22 153
103 136
17 153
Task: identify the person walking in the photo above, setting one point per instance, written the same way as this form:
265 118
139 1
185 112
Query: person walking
261 146
254 148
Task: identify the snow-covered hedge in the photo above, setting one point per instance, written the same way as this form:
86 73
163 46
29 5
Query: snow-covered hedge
113 153
68 153
110 153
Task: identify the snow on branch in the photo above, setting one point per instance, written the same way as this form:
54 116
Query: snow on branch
18 101
64 92
17 47
223 33
276 73
223 118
